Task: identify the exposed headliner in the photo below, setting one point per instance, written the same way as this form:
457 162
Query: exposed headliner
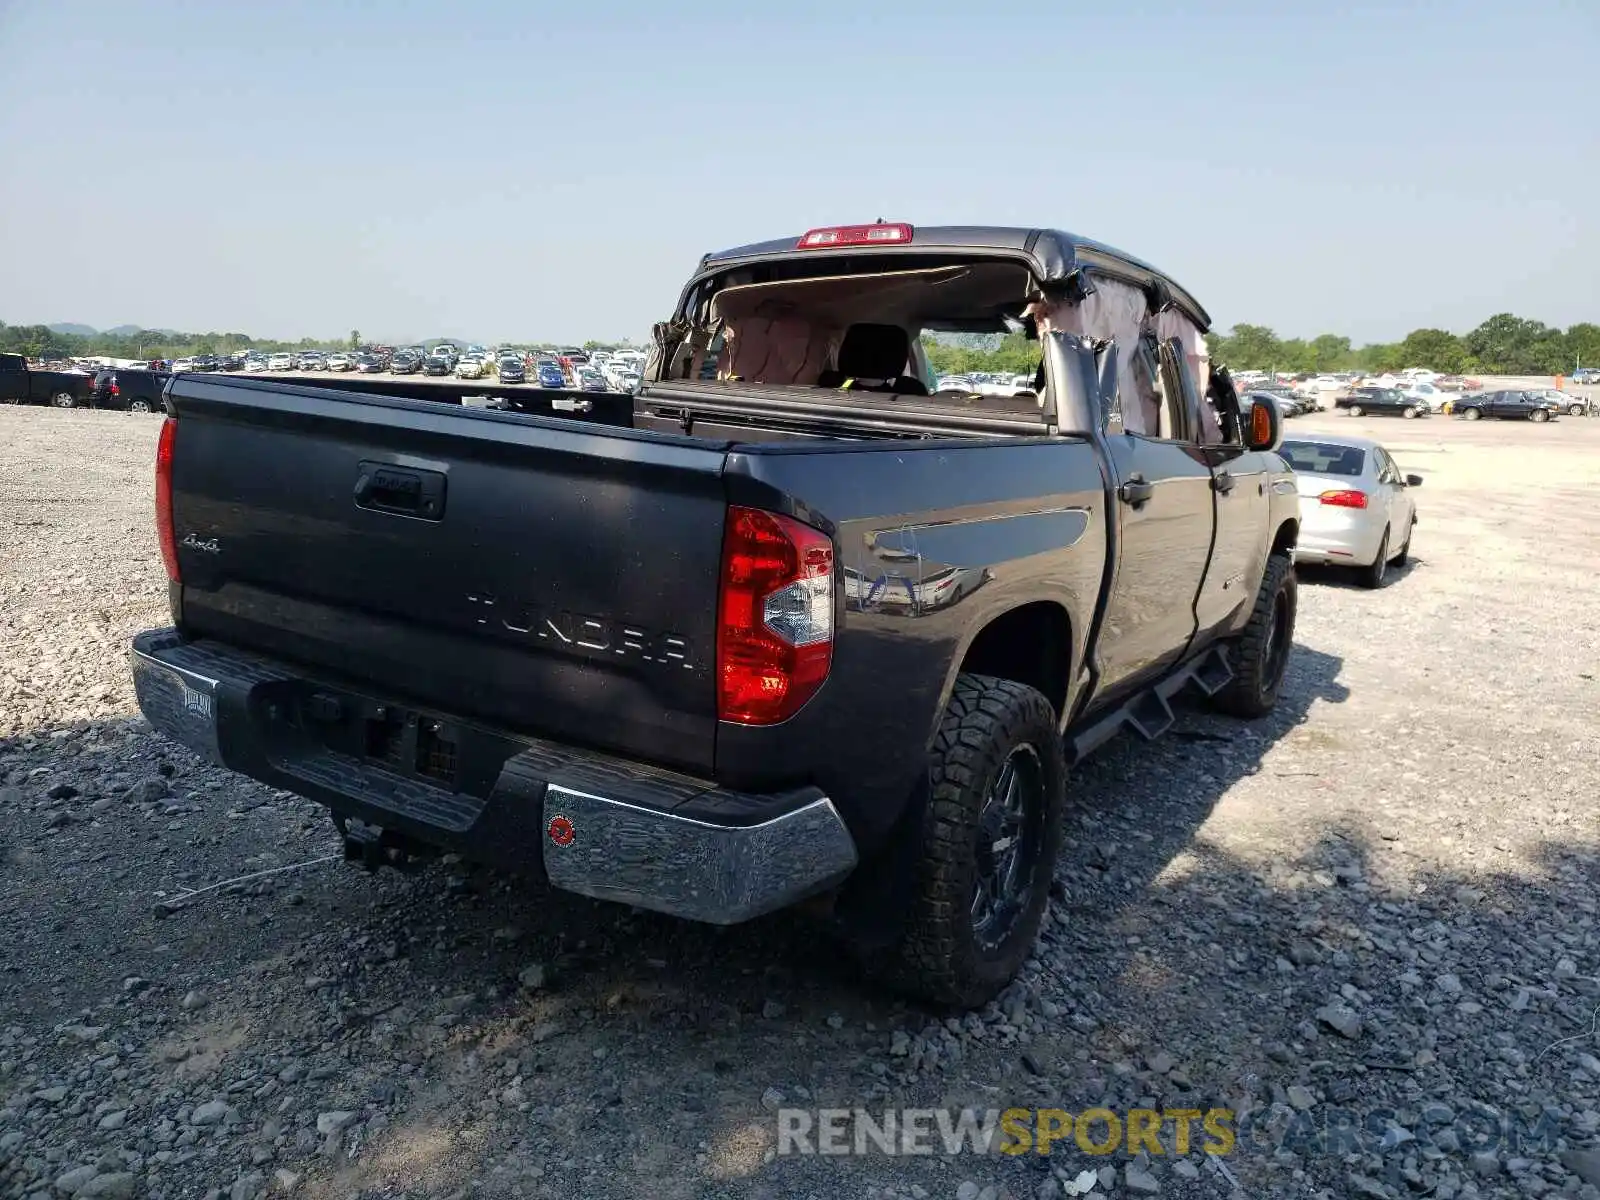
917 299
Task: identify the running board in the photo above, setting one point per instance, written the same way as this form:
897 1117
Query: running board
1149 712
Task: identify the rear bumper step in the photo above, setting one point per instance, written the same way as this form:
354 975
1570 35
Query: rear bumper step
587 822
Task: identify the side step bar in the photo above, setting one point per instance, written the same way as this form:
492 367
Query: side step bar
1149 712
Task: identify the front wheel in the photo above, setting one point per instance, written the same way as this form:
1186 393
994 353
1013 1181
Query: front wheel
988 844
1576 410
1538 416
64 400
1356 410
1473 414
1411 414
138 406
1261 653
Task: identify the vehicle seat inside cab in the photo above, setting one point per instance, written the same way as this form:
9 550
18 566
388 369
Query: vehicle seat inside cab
873 358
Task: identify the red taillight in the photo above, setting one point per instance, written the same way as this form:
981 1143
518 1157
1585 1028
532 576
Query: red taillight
881 234
1344 499
775 616
115 389
169 541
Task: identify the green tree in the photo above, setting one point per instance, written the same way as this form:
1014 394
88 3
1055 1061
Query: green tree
1433 348
355 339
1583 345
1330 353
1511 345
1251 348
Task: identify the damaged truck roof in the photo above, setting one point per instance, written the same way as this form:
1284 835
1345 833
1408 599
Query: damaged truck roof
1059 260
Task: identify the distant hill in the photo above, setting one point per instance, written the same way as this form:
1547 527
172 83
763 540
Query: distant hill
129 330
75 330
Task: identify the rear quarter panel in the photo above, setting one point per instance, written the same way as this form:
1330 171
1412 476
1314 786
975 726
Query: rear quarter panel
935 540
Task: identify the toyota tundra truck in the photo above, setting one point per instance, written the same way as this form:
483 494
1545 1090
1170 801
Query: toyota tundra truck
789 625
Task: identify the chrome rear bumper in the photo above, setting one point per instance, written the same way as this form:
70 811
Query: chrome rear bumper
601 826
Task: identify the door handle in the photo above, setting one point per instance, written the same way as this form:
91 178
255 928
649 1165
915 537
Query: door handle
1136 491
1223 482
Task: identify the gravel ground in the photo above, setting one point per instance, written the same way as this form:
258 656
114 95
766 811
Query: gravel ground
1377 906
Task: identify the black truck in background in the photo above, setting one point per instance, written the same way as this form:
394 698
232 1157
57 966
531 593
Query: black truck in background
22 384
742 640
134 391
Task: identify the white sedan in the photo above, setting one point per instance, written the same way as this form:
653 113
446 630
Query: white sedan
280 362
1433 396
1356 508
471 366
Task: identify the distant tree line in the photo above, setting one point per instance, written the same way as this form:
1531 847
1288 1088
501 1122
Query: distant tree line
1502 345
40 341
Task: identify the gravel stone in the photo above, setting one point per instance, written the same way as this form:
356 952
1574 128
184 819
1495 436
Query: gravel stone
1346 857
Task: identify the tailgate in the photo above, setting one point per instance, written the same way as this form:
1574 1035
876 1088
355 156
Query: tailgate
544 575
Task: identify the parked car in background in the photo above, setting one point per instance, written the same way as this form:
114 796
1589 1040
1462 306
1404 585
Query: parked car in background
1507 406
438 364
280 362
22 384
590 380
368 364
1381 402
130 391
1321 388
1287 406
341 362
1437 398
405 362
1570 403
180 365
1356 508
255 362
311 360
1586 375
550 374
629 381
511 370
471 366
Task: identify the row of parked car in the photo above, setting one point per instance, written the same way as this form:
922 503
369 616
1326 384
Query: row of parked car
603 371
1518 404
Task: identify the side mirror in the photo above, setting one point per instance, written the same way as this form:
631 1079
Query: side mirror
1413 480
1263 428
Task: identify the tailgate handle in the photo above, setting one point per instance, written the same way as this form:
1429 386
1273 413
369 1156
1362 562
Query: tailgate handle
403 491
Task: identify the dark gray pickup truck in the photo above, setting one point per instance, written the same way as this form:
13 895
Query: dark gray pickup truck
791 624
22 384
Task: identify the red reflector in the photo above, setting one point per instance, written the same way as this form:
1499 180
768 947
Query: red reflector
561 831
164 530
1345 499
115 389
880 234
774 616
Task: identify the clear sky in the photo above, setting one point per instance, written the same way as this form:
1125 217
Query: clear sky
493 169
